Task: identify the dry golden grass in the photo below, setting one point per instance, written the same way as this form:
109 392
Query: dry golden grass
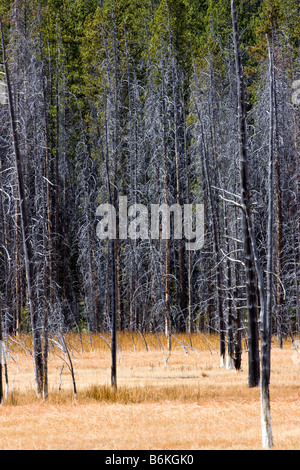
185 401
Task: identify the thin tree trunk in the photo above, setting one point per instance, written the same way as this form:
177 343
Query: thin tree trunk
48 276
212 201
253 341
238 350
167 243
215 226
1 354
183 299
28 254
230 343
113 299
279 221
266 330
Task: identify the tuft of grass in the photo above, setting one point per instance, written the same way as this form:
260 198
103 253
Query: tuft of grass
133 395
13 399
106 394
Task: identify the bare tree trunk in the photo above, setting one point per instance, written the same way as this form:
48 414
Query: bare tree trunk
279 219
266 329
113 297
113 91
114 316
166 244
1 354
238 350
28 255
212 202
18 276
183 299
253 347
215 231
48 276
230 343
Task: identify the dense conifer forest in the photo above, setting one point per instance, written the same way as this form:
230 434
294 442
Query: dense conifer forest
141 100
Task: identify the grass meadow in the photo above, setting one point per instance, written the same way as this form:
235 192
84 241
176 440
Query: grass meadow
183 400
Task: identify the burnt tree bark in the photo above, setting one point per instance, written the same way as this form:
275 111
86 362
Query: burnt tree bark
253 340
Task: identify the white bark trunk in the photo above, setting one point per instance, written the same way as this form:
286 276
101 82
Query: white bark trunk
229 363
266 428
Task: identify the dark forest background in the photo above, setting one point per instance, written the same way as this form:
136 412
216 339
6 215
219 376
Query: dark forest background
139 99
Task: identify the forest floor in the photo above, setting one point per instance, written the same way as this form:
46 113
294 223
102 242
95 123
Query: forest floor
182 401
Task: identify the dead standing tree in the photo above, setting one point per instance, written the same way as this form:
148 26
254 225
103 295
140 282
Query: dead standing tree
250 246
1 354
112 143
266 312
253 341
25 226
